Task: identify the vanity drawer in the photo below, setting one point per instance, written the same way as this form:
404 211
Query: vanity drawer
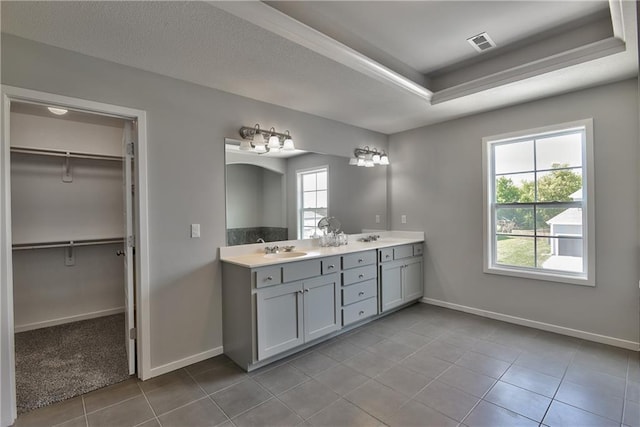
359 311
330 265
359 274
300 270
359 292
358 259
386 254
418 249
268 276
404 251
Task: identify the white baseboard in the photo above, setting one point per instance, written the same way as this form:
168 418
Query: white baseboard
589 336
172 366
68 319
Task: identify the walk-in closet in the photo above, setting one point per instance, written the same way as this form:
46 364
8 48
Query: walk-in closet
72 258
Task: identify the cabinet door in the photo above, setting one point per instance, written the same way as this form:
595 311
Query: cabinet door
391 285
412 280
279 319
321 306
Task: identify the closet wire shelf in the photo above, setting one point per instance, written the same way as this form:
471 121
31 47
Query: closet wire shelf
65 153
67 243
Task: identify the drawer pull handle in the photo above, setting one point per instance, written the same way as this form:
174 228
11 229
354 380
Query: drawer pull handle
361 313
360 293
300 291
360 260
306 290
331 267
269 278
360 276
387 256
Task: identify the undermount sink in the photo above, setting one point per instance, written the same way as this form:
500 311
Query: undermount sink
285 255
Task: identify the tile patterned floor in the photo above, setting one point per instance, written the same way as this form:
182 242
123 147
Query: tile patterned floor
422 366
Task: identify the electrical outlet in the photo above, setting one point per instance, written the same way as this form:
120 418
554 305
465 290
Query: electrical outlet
195 231
377 219
403 219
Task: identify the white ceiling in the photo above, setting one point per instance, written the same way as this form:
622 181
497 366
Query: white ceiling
293 65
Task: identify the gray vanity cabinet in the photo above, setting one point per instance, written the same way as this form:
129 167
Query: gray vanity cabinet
279 319
400 275
291 314
321 306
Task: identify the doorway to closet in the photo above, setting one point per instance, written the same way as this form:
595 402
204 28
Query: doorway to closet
75 216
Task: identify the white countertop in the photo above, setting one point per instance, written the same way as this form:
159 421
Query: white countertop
253 256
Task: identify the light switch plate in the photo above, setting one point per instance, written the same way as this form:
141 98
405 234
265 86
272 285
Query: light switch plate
403 219
377 219
195 231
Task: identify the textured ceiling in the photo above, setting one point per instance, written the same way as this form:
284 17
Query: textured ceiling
200 43
429 35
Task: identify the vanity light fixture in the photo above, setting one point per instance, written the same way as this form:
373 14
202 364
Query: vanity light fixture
253 139
369 157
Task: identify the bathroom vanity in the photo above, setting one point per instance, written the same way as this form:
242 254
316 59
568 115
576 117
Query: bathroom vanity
276 304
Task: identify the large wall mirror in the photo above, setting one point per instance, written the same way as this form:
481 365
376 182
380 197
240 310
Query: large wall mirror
281 196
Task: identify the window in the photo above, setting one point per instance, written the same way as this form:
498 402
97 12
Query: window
538 188
313 200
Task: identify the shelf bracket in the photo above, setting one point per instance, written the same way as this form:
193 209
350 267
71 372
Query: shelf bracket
69 256
66 169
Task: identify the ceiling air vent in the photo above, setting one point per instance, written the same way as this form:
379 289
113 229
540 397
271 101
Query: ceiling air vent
481 42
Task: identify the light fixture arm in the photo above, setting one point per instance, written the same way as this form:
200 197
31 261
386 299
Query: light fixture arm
358 152
250 132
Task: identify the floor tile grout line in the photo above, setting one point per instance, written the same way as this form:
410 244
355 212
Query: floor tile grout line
153 411
207 395
84 410
111 405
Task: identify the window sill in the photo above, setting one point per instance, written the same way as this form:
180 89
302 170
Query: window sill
536 275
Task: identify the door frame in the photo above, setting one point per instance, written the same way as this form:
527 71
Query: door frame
143 342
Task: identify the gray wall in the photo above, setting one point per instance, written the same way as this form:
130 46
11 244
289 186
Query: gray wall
187 125
436 180
356 194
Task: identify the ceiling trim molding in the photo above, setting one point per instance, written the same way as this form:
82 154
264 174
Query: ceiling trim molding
566 59
617 20
273 20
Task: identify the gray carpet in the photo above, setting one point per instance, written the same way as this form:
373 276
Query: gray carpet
60 362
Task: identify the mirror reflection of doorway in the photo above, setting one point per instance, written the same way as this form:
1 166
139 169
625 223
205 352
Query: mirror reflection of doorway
256 204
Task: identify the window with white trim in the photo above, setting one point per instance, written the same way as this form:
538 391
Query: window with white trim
313 200
538 188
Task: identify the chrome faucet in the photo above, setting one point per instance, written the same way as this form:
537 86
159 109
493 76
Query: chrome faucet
260 240
271 249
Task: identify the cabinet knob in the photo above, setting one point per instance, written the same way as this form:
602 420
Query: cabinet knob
360 276
360 293
306 290
331 267
360 260
387 256
269 278
300 291
361 313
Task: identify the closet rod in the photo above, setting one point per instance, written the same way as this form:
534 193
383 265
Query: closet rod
63 153
66 243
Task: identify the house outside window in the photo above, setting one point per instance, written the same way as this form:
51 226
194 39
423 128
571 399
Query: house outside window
538 195
313 200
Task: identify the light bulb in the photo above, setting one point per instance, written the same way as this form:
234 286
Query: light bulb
274 142
57 111
384 160
360 161
376 159
245 145
259 143
287 145
353 161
